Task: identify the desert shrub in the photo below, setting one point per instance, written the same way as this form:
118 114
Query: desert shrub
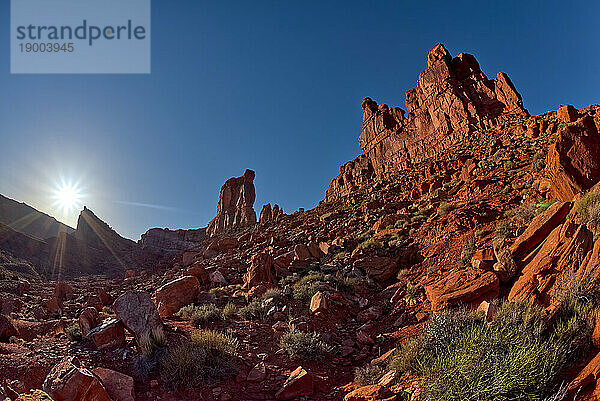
522 215
276 294
539 161
445 208
504 229
153 341
200 314
370 243
229 310
468 250
255 310
208 356
588 209
73 332
303 345
518 356
339 255
368 374
413 289
305 287
219 291
510 165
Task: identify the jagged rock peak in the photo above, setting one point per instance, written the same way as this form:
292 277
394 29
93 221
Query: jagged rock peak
451 99
235 208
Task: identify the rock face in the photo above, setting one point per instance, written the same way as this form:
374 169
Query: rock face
574 159
452 99
353 175
235 207
171 241
270 215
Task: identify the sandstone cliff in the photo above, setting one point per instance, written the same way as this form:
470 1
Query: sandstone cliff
452 99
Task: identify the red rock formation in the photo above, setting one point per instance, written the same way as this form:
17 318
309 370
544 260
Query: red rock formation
452 98
574 159
270 215
235 208
171 241
353 175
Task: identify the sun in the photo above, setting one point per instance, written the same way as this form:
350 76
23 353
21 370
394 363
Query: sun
67 197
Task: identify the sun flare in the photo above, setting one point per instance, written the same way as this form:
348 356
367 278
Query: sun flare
67 197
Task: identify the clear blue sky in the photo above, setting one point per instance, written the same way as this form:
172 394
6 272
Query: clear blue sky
274 86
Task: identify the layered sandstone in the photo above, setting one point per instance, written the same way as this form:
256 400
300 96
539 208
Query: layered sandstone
235 208
452 99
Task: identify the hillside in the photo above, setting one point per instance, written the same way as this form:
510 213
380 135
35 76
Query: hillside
456 258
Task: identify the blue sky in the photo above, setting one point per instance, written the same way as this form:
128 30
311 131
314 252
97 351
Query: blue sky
274 86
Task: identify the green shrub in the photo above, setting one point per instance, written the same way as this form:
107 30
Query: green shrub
504 229
275 294
200 314
509 165
255 310
588 209
368 374
412 289
519 356
229 310
304 346
307 286
370 243
73 332
153 341
539 162
468 250
445 208
208 356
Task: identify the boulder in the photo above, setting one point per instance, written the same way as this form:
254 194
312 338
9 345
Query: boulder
373 392
138 313
589 375
235 208
67 381
108 334
258 373
301 252
319 303
462 287
299 383
539 228
119 386
379 268
197 270
175 294
7 328
573 163
261 270
88 319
